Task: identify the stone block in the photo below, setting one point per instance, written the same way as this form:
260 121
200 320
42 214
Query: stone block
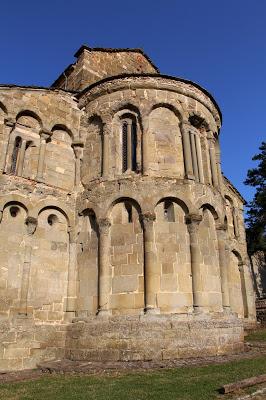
167 268
122 301
126 283
169 283
16 352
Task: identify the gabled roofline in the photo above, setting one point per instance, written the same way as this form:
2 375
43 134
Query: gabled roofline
116 50
70 67
65 73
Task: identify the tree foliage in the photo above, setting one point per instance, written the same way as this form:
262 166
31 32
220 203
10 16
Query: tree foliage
256 214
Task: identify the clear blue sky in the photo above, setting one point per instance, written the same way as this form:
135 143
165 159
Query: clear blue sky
219 44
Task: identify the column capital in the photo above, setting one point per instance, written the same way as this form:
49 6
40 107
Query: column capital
210 136
221 227
104 225
78 146
31 223
185 125
234 210
193 219
145 122
147 218
10 122
185 122
77 143
45 134
73 235
106 129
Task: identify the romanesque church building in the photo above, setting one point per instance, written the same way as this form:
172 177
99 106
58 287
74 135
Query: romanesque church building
120 237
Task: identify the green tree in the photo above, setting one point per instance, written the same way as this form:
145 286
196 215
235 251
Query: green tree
256 214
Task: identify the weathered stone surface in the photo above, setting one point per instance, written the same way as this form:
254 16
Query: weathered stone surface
113 204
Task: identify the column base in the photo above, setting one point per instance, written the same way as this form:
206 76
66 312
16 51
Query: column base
191 177
200 310
152 311
39 179
227 310
69 316
104 313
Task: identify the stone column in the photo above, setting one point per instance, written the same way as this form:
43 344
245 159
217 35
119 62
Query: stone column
199 156
145 145
31 227
243 279
208 177
223 263
44 137
71 299
78 151
9 126
219 169
213 162
105 151
21 157
151 276
235 222
194 156
250 295
193 221
185 126
104 289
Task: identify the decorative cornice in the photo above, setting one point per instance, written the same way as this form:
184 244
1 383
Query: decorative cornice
159 77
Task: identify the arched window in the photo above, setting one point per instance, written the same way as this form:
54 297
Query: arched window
169 211
15 153
129 143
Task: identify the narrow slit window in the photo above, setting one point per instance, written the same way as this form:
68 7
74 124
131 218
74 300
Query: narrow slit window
169 211
15 153
124 146
129 143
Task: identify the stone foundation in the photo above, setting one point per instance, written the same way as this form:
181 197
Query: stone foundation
24 343
153 337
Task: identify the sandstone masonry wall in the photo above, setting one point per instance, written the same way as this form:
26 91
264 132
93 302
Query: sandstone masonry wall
116 220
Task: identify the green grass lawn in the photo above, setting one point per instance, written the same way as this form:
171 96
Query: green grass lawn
186 383
257 336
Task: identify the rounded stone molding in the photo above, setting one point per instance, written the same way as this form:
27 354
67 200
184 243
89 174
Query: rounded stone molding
158 82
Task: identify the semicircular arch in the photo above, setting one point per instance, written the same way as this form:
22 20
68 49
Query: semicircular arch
168 105
46 204
29 113
15 198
